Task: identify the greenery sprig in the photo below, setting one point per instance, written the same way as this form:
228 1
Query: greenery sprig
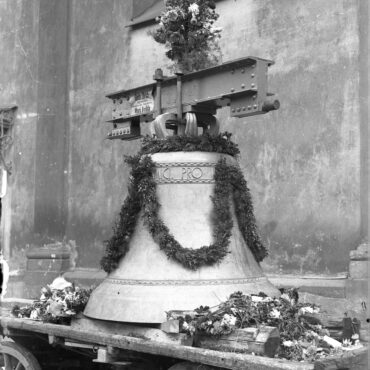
186 28
229 183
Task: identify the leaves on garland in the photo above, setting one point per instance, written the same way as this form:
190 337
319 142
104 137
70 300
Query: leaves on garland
205 143
187 257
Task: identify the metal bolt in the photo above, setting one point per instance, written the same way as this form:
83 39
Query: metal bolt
252 85
232 110
249 107
252 75
255 106
232 89
242 86
244 108
238 110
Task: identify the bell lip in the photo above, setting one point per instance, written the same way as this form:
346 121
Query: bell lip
148 304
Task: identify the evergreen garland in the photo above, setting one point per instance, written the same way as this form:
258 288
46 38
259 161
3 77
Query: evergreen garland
187 257
245 215
118 245
229 181
220 143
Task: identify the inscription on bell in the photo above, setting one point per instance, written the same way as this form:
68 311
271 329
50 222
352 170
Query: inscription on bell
185 174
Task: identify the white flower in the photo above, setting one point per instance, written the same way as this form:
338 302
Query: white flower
191 329
306 309
288 343
228 320
194 8
256 298
60 283
185 325
34 314
275 314
346 342
232 320
267 299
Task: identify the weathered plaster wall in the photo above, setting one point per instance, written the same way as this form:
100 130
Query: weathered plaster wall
302 162
18 86
97 176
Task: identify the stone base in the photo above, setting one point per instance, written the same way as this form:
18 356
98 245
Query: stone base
357 287
322 285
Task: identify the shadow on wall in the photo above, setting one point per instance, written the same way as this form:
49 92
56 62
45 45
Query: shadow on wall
306 249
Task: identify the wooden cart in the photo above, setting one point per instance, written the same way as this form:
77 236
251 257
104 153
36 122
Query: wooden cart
32 345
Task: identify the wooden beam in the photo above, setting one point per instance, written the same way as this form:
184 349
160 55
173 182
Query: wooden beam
354 359
263 341
197 355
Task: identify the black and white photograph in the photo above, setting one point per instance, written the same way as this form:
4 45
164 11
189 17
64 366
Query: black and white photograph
184 185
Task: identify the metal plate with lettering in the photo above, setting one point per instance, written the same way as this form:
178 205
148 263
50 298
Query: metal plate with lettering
136 102
141 102
185 173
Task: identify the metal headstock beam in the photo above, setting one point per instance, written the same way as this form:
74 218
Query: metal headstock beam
240 84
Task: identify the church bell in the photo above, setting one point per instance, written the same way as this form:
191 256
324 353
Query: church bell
146 284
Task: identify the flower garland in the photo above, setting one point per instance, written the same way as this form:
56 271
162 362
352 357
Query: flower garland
58 303
142 197
302 336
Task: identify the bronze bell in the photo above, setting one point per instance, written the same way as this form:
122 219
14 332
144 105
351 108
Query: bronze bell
146 283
